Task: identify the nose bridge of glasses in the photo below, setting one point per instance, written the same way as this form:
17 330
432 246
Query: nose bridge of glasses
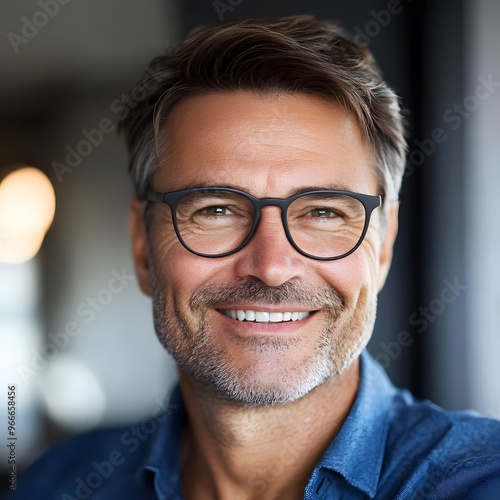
276 205
279 204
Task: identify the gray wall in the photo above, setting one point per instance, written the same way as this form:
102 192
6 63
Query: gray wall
482 181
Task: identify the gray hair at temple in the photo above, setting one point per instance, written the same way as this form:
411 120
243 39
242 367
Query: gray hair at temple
297 54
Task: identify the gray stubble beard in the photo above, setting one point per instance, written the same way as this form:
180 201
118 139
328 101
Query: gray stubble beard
344 335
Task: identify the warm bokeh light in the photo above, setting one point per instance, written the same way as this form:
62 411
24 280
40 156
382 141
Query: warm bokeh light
27 207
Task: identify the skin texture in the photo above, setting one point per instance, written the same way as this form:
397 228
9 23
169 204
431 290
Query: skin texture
253 390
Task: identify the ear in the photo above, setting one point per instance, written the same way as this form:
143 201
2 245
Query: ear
385 258
140 245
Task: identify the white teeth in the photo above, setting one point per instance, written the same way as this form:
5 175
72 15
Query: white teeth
261 317
250 315
265 317
275 317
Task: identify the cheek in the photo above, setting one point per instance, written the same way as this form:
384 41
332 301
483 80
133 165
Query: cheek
371 250
353 276
179 273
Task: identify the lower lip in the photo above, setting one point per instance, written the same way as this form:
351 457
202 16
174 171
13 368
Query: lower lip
257 328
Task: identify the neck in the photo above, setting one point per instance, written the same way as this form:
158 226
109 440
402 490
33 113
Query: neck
232 450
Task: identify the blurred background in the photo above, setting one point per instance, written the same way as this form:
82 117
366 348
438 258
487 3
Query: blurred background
76 335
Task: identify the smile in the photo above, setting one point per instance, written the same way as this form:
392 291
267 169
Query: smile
264 316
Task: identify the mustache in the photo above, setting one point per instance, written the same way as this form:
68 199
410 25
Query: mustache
255 291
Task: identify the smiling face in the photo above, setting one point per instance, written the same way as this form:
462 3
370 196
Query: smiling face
266 324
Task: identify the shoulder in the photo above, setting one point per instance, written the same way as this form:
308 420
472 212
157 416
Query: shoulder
427 422
444 454
79 465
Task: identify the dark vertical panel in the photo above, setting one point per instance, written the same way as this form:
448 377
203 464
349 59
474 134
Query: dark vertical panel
442 192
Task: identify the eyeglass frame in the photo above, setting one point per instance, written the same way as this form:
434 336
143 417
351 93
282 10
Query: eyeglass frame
172 198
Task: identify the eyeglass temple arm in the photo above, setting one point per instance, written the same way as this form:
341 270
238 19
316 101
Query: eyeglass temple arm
154 196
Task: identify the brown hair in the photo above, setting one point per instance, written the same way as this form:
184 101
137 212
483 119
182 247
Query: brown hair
289 54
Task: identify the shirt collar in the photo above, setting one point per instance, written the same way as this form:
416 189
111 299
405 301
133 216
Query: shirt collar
358 449
164 455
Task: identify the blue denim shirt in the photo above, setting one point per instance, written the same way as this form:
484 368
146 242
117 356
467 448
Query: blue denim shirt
391 446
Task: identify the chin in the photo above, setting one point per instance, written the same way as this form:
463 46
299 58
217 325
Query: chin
266 383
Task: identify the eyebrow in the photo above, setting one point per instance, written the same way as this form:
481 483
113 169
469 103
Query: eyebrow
293 192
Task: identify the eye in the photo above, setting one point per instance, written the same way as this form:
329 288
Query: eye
216 211
322 213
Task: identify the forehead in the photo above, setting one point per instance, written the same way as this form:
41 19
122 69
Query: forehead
268 145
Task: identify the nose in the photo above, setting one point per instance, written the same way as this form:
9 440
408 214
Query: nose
269 256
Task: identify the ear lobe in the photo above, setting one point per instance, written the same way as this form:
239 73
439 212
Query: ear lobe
386 250
140 245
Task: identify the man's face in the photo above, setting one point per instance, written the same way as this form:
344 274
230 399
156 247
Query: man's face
267 146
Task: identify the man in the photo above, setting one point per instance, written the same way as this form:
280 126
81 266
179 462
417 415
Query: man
267 159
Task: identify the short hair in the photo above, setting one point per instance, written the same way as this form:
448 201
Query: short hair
296 54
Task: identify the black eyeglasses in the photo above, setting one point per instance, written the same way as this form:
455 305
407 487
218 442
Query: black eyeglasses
320 224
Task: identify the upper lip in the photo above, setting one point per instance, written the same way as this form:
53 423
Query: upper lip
262 308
